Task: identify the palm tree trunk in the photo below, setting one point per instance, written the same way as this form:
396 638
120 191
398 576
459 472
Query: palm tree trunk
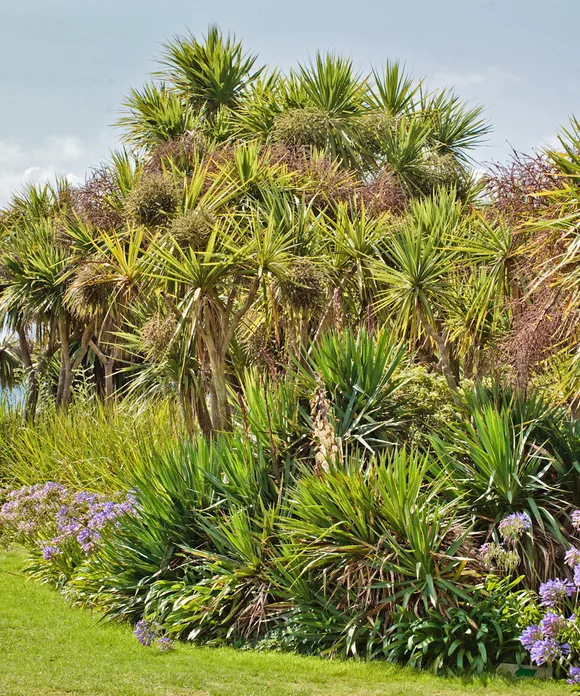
65 377
203 417
443 351
32 378
220 415
108 363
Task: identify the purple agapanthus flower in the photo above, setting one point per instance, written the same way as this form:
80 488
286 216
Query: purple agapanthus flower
87 539
147 632
487 552
513 526
552 624
555 591
48 552
572 557
531 635
33 515
547 650
165 644
574 679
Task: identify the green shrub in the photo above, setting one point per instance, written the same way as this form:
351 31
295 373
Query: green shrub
471 638
186 500
427 399
301 127
361 373
498 461
365 540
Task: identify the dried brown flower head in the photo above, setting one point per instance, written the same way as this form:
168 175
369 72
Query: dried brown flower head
301 127
157 334
194 228
304 285
153 200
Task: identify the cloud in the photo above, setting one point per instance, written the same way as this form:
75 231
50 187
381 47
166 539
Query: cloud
62 155
491 76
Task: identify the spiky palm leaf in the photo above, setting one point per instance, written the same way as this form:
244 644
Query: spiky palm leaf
212 73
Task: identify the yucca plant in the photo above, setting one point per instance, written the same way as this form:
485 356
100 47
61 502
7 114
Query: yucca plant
270 410
235 600
495 463
180 494
369 538
361 374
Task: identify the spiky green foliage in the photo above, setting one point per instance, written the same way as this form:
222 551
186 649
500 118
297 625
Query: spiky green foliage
209 74
361 374
154 116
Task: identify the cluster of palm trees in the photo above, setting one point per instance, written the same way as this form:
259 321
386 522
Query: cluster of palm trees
251 212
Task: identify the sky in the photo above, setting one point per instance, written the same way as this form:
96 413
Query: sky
66 64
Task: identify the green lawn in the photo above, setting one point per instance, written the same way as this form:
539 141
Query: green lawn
47 647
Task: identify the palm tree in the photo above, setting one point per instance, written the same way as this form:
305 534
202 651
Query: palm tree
417 275
325 101
212 290
155 115
211 74
244 209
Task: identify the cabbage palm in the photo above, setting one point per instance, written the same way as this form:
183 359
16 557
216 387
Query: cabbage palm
37 272
354 241
417 275
212 290
155 115
10 361
402 150
209 74
454 127
393 91
327 97
255 116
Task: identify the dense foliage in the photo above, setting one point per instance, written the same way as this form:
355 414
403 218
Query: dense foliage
333 368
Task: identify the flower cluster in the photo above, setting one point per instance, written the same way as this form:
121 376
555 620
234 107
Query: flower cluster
512 528
574 676
544 642
530 636
85 515
150 633
493 554
555 591
30 511
52 517
572 557
547 642
552 624
548 650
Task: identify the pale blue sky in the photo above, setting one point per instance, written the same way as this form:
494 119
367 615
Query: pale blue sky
65 64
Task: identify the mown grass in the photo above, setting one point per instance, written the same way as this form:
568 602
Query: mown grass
47 647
